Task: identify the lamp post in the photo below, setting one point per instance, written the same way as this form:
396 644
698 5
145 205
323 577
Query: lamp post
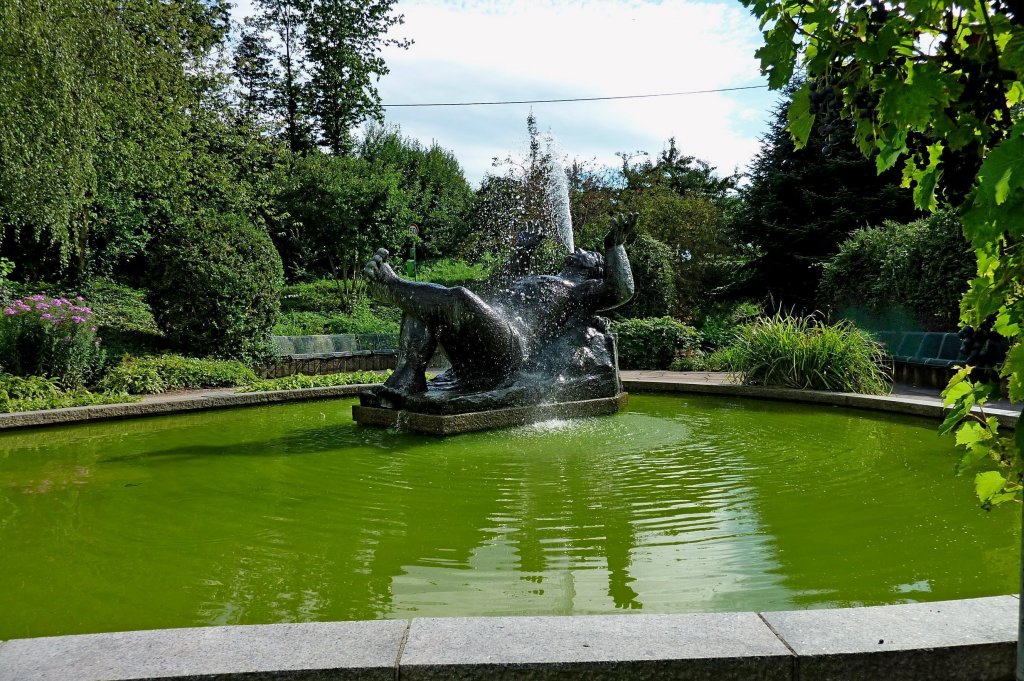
410 264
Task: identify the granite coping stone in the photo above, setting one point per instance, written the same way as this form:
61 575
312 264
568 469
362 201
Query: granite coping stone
972 640
309 651
963 640
695 646
901 404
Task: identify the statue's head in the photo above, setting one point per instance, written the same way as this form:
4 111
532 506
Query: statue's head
584 264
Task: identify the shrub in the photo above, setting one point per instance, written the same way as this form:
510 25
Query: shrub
719 326
801 352
299 381
363 319
653 343
215 289
157 374
322 295
651 262
901 275
32 393
50 336
123 318
720 360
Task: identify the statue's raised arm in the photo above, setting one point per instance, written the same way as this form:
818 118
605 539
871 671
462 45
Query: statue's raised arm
618 276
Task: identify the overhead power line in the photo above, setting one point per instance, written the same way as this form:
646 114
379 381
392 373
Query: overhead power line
583 99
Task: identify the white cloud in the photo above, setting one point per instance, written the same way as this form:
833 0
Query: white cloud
543 49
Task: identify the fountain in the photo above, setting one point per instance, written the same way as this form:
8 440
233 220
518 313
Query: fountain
533 351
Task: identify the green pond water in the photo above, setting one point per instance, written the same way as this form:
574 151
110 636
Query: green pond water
293 513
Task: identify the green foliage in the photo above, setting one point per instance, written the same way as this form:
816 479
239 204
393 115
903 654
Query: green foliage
123 318
651 262
361 320
300 381
722 359
215 287
653 343
439 196
335 212
801 352
50 336
948 112
979 439
160 373
719 326
923 267
801 203
32 393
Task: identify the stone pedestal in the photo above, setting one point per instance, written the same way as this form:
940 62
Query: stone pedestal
437 424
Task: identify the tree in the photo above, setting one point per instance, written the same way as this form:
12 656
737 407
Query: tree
335 211
343 42
256 75
801 203
98 99
440 198
285 19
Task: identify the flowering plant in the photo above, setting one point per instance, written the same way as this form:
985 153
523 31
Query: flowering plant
51 336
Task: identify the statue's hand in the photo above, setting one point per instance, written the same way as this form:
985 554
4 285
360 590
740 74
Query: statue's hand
529 238
623 230
377 269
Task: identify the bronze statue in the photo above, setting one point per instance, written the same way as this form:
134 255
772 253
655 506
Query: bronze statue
534 341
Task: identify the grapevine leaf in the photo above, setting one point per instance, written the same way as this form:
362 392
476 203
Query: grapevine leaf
800 117
971 433
1003 169
988 484
956 390
956 415
1002 498
971 457
1013 366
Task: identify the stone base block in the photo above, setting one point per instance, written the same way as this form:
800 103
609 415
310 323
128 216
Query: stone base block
435 424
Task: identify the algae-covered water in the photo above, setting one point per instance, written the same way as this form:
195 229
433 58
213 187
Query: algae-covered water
293 513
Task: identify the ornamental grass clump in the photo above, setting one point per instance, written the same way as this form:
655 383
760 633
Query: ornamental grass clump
803 352
49 336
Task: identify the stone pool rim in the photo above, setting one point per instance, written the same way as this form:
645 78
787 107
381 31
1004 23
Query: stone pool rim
930 407
969 639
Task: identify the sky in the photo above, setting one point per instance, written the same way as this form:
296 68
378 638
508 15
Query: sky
494 50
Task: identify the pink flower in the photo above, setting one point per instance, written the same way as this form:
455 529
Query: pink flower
57 302
8 310
46 316
42 306
79 298
36 297
77 320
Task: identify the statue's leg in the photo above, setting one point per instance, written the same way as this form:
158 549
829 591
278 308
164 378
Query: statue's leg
416 345
481 346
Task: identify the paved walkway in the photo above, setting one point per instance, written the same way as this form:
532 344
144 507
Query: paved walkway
717 378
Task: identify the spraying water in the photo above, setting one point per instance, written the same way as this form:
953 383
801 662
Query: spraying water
558 196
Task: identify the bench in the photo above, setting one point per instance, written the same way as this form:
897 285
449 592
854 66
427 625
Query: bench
922 357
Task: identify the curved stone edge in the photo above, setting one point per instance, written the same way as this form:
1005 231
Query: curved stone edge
900 404
972 639
170 405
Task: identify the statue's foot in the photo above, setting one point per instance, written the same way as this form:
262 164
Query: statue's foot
378 271
407 381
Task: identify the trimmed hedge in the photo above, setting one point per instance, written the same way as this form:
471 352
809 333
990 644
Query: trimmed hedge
157 374
653 343
215 287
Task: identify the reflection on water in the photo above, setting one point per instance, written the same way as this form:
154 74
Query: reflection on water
294 513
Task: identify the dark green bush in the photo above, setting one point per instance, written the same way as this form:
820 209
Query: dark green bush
157 374
651 262
124 319
653 343
801 352
215 288
322 295
901 275
719 326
